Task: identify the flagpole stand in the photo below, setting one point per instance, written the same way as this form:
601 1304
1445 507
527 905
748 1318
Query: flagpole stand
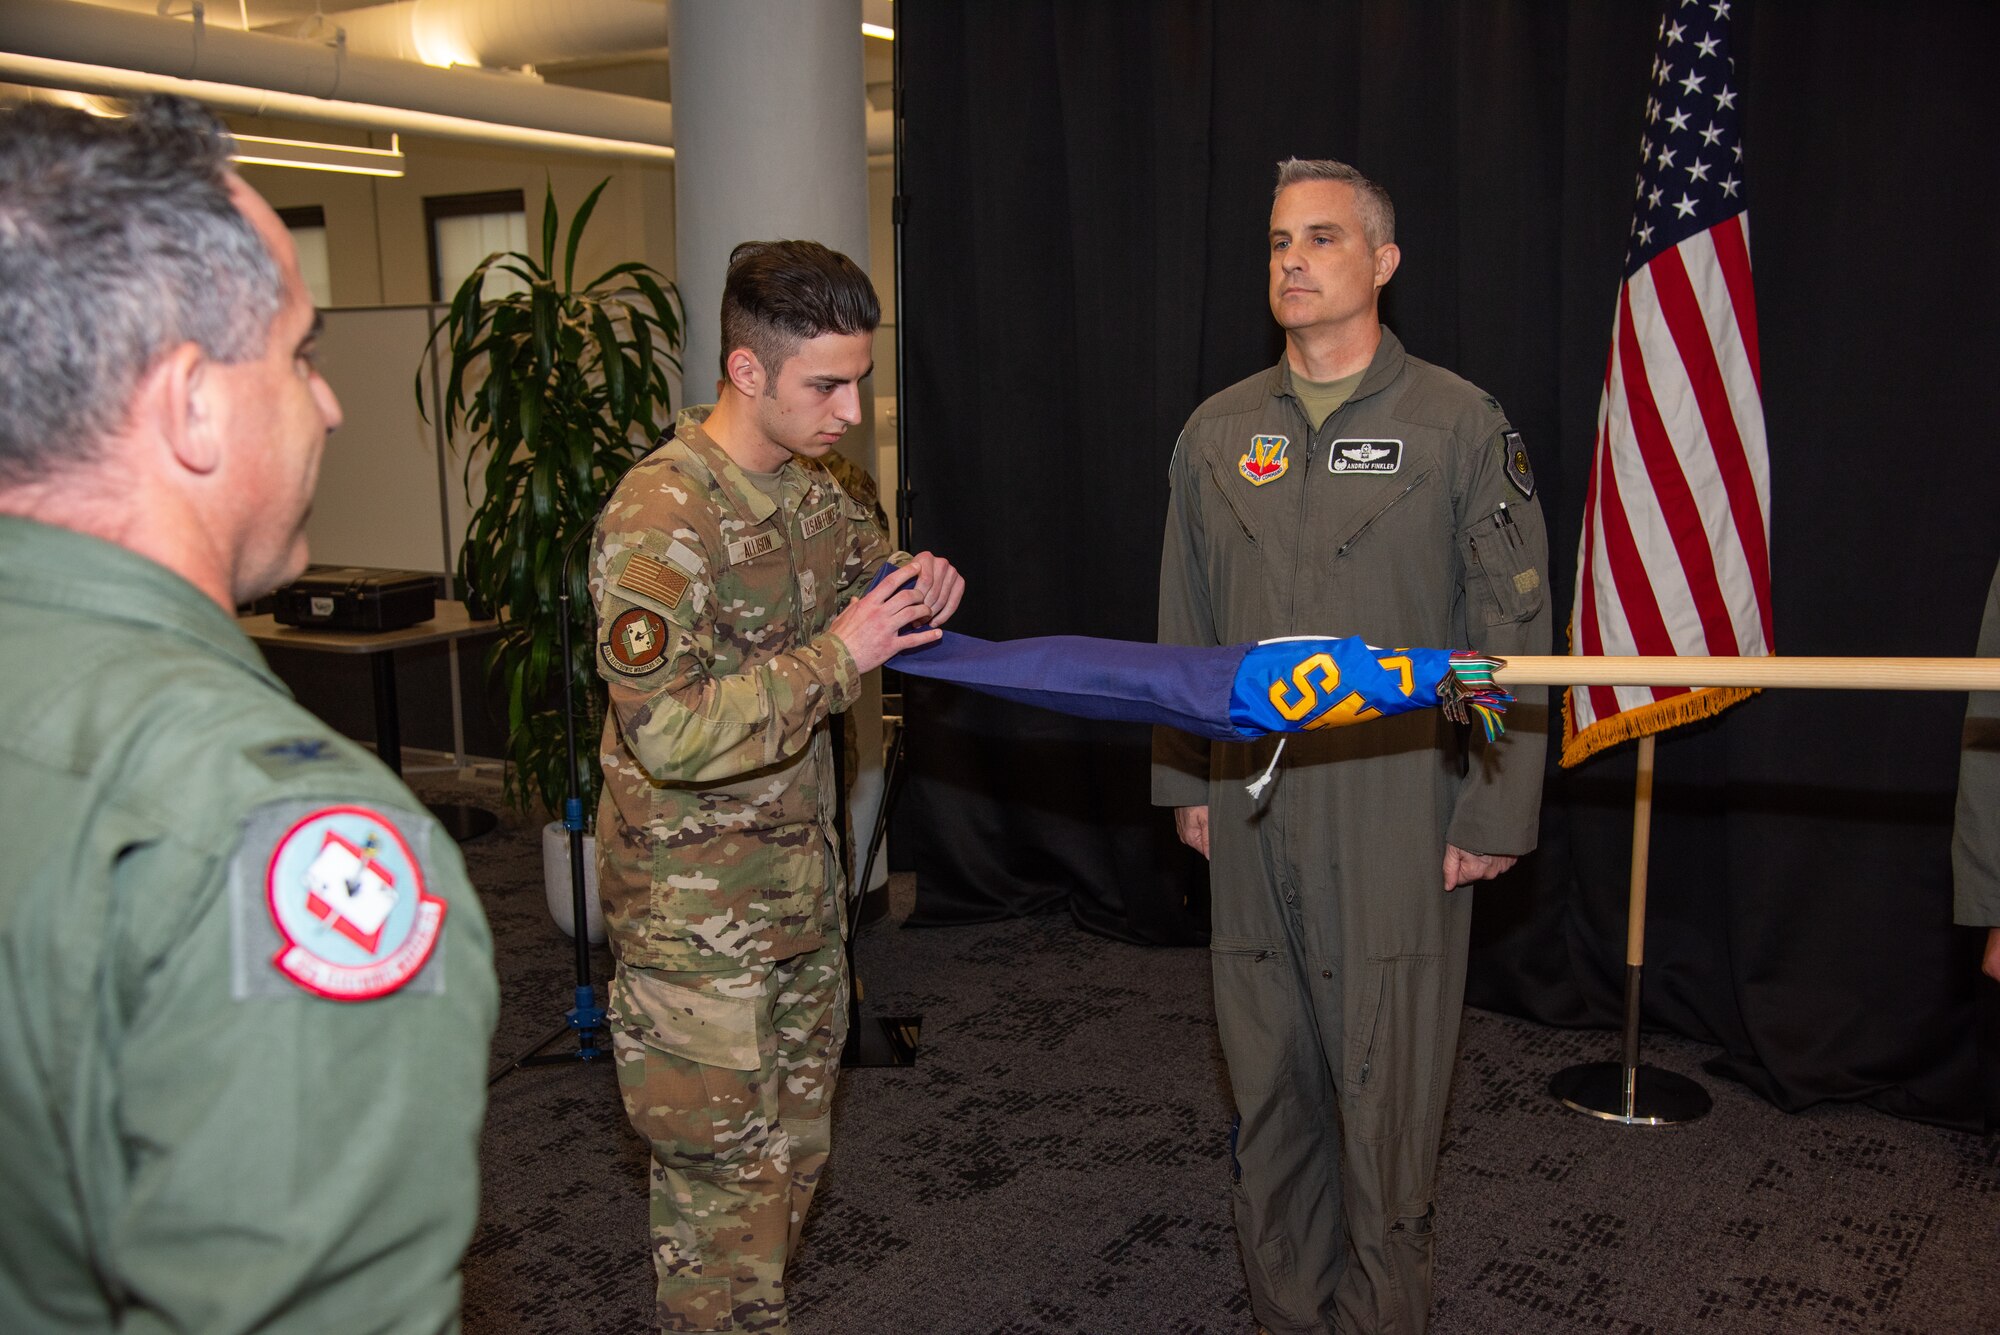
1624 1091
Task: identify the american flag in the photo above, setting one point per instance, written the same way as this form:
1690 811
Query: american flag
1675 554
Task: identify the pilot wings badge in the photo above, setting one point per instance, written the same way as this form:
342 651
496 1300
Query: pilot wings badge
1265 460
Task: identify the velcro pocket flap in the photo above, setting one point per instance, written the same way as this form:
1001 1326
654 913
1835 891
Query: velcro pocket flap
702 1027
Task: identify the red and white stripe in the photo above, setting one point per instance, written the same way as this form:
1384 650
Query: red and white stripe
1675 554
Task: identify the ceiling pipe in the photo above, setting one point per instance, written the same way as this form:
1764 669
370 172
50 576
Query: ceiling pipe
240 100
61 31
59 44
504 32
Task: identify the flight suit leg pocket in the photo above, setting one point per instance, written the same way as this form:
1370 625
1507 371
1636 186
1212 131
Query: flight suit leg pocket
1256 1014
1392 1063
1410 1260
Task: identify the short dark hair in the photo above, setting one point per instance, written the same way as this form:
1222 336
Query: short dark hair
118 242
1378 213
780 293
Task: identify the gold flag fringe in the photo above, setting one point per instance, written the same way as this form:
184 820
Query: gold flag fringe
1632 724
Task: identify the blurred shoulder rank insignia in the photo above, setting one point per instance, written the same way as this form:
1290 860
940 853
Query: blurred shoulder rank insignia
1365 456
1265 460
636 641
1518 471
348 897
654 578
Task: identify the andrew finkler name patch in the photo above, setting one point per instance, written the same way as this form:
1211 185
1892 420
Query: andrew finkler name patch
1365 456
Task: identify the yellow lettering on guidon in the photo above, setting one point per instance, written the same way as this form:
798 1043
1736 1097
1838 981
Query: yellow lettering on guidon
1348 709
1400 664
1329 678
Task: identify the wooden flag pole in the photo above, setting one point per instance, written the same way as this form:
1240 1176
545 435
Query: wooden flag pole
1645 1095
1616 1091
1832 674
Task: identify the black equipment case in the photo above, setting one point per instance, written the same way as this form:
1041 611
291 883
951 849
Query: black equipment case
356 598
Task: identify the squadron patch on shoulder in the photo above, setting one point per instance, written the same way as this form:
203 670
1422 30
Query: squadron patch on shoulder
347 897
1264 461
654 578
1518 471
1365 456
636 641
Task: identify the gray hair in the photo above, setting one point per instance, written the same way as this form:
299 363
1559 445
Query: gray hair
1378 214
118 242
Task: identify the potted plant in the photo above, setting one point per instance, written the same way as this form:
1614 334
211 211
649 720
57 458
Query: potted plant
560 388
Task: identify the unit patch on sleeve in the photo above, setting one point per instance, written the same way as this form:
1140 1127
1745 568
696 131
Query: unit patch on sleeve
1264 461
635 642
1518 471
1365 456
654 578
332 899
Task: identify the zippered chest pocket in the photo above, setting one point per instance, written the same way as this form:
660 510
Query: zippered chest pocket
1382 512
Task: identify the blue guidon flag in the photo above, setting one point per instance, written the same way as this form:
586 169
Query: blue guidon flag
1231 693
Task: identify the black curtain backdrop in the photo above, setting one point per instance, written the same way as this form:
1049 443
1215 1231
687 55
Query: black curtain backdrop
1086 189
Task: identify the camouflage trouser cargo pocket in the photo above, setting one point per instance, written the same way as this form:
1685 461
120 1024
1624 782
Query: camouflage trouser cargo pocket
696 1065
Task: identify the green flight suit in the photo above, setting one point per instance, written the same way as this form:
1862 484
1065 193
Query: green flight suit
1339 960
716 854
194 1141
1975 842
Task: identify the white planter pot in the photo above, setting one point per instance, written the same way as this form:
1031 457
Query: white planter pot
556 883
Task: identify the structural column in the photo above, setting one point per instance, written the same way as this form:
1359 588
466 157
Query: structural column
770 143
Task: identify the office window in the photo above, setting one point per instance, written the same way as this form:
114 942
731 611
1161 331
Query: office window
307 224
465 229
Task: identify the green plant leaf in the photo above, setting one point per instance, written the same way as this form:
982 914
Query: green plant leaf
549 224
558 391
576 226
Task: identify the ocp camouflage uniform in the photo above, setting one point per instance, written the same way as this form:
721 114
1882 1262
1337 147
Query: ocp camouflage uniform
716 852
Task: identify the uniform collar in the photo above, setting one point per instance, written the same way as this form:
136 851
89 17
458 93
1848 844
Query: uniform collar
746 496
1383 368
48 566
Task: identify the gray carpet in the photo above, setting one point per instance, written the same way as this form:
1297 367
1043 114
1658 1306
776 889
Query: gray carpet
1055 1164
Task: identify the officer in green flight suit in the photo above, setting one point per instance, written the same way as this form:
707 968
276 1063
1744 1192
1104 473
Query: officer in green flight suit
1352 489
248 988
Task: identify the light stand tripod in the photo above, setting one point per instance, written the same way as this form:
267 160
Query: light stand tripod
585 1018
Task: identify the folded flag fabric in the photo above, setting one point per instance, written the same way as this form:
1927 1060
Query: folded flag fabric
1233 693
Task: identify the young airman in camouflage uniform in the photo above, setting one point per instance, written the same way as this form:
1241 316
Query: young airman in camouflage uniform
727 572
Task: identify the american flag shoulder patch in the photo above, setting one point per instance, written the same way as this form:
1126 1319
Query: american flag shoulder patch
653 578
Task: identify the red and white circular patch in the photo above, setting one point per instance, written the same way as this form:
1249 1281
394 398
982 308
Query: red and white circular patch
348 897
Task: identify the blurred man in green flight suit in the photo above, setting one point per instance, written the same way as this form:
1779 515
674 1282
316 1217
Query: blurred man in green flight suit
727 573
248 988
